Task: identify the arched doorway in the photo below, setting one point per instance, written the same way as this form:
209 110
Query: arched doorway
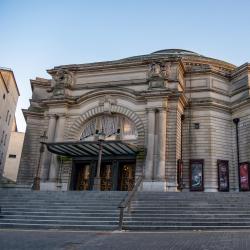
117 168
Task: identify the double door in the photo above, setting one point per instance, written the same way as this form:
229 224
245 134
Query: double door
115 175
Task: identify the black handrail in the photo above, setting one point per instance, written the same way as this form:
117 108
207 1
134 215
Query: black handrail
127 202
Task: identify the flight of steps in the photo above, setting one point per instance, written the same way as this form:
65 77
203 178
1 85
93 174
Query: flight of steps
188 211
72 210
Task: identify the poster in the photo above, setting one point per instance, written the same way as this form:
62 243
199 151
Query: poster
244 176
196 175
223 175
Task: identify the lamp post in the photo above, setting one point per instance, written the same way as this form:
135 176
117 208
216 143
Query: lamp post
97 179
236 122
101 138
36 183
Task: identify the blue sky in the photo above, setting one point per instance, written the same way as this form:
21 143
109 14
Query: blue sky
39 34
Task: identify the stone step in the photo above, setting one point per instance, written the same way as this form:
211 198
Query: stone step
186 227
187 223
71 210
68 206
91 217
62 221
60 213
191 219
57 226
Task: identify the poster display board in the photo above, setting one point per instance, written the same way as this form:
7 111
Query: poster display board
223 175
244 176
196 177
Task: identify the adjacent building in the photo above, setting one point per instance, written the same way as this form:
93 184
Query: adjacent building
13 155
9 94
179 119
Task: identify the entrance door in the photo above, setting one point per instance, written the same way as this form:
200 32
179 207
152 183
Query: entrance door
83 177
126 176
115 175
106 176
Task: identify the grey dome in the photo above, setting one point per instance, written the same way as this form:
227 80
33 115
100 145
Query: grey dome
175 52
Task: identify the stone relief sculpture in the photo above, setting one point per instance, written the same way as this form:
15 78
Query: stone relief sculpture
62 80
158 73
107 102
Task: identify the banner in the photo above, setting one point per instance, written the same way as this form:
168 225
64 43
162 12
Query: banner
223 175
244 176
196 175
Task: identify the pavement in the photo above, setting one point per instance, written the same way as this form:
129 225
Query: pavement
11 239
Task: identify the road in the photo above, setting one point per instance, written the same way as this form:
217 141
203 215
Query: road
68 240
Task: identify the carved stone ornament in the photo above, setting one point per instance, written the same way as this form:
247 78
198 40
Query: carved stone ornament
157 75
107 102
61 80
159 70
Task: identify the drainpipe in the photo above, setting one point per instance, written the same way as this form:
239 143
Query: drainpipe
236 122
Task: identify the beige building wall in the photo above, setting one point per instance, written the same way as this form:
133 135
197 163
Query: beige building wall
156 91
8 100
13 155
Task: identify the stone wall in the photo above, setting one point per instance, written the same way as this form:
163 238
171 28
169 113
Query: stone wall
36 125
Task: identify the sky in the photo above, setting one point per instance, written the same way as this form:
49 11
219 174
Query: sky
37 35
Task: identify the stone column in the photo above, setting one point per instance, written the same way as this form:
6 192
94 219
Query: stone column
59 137
160 168
149 168
47 155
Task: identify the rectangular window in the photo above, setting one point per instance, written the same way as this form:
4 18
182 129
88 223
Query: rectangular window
5 139
12 156
196 178
9 120
2 137
7 116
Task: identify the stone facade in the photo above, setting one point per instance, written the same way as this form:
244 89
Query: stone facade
9 94
13 155
182 104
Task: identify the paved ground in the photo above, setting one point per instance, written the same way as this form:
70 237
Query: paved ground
55 240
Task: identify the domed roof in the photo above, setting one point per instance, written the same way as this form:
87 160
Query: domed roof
175 52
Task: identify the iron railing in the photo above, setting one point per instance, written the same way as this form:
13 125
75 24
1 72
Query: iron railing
126 203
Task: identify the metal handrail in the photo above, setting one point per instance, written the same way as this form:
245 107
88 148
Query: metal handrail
127 202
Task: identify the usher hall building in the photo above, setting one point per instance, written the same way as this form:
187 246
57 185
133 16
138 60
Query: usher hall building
177 119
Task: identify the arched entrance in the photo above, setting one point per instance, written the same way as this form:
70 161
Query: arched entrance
116 172
105 156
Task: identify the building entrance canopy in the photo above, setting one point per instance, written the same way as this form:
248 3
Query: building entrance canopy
91 148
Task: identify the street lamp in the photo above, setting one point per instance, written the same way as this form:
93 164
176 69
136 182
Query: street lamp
36 183
101 138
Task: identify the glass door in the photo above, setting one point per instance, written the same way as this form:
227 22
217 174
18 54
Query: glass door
83 177
127 176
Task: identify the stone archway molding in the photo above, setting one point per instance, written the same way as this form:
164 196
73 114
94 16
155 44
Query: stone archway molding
75 130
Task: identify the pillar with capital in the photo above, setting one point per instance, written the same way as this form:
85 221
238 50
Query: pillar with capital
50 163
59 137
47 155
161 166
155 165
149 167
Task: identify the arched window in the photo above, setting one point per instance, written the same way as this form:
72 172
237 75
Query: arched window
112 126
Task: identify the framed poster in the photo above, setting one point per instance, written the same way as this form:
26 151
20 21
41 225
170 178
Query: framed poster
223 175
196 178
244 176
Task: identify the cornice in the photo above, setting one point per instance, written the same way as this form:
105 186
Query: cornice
37 82
239 105
241 69
26 113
